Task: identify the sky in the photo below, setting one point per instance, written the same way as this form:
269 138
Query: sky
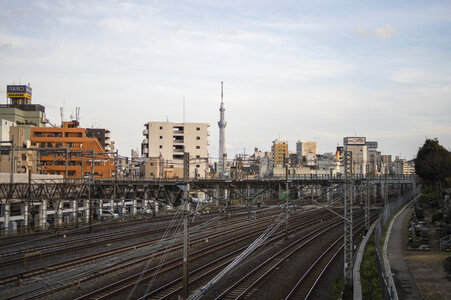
292 70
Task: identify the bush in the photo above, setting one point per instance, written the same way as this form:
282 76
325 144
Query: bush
447 265
437 216
370 274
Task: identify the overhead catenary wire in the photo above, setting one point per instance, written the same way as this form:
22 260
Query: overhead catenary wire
251 248
159 246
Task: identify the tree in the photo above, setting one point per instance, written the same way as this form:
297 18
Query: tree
433 162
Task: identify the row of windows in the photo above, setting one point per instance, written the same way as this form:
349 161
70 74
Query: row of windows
181 128
57 134
197 147
197 138
57 145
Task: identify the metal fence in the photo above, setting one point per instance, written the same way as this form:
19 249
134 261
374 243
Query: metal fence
390 208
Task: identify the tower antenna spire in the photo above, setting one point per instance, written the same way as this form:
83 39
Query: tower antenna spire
222 162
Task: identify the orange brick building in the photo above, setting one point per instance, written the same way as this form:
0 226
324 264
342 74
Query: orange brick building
72 137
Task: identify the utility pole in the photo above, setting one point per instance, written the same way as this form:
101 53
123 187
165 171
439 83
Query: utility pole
11 179
91 208
66 169
92 162
82 166
116 164
185 225
367 207
348 248
286 201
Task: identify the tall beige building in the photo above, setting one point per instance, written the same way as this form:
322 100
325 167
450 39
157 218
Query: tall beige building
279 152
166 142
302 148
404 166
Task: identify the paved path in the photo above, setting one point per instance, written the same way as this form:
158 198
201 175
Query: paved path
404 281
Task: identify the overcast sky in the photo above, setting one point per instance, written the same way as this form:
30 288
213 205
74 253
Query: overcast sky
310 70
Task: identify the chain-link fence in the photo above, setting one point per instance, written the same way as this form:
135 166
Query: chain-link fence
390 208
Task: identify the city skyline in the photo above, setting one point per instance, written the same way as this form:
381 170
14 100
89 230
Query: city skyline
316 72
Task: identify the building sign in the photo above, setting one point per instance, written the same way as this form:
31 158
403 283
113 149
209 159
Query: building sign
354 140
18 91
371 145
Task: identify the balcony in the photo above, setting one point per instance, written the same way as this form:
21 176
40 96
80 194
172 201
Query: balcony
178 130
146 141
146 132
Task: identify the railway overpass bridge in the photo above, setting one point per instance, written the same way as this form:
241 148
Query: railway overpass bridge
40 201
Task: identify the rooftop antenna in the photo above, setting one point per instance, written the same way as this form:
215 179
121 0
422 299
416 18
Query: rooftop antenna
77 114
62 115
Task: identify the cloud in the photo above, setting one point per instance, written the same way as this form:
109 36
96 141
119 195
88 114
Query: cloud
362 32
6 46
20 11
421 76
386 32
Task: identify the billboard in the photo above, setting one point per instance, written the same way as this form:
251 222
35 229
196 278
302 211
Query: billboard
354 140
18 91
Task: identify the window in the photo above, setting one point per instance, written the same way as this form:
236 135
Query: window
197 137
197 166
151 164
197 156
197 147
161 127
198 128
161 137
161 146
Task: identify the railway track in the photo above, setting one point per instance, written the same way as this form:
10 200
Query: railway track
208 270
175 262
104 254
67 246
248 284
304 286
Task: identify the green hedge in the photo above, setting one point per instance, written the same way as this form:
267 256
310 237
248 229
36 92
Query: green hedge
369 273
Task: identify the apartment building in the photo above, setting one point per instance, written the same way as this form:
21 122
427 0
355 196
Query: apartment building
404 166
164 144
279 153
77 160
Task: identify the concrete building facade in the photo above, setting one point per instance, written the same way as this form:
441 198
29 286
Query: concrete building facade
74 139
358 147
5 125
302 148
404 166
167 141
20 110
24 160
279 153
